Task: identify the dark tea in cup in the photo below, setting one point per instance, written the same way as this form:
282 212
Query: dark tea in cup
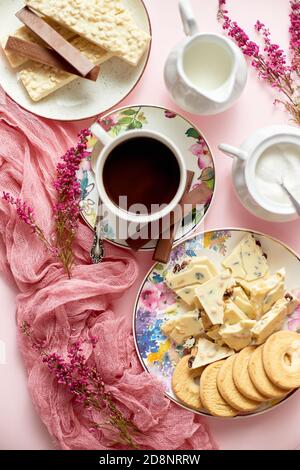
144 170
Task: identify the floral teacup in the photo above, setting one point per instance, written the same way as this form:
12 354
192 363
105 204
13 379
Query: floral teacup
110 144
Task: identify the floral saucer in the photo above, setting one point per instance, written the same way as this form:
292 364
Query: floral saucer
188 139
157 354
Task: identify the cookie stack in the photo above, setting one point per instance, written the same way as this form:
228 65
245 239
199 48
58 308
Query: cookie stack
243 382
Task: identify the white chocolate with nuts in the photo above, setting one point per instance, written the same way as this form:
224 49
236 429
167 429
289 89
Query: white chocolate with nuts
41 80
105 23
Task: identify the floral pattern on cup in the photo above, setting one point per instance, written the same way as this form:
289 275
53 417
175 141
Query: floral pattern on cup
126 120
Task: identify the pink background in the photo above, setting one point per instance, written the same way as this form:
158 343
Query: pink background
20 427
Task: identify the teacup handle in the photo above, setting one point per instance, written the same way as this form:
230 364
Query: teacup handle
188 19
103 137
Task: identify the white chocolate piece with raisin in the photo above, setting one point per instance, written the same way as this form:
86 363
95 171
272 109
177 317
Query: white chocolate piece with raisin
211 294
240 299
247 260
183 327
232 313
264 293
197 271
208 352
237 336
273 320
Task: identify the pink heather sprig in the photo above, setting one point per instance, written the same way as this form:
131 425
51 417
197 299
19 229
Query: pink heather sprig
26 214
295 35
270 61
86 385
24 211
67 207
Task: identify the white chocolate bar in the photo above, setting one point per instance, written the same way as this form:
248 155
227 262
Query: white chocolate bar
41 80
15 59
210 296
247 261
237 336
106 23
182 327
208 352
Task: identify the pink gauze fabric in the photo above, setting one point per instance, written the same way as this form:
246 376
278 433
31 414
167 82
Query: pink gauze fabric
62 311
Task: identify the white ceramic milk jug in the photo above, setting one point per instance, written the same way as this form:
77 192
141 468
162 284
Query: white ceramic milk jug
206 73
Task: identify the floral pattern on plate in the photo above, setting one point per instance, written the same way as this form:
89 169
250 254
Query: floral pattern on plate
188 139
156 303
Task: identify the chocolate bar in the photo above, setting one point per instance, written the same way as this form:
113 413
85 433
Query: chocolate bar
40 80
189 201
16 60
44 31
45 56
164 245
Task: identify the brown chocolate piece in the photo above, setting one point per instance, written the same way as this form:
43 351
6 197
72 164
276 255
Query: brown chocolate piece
189 201
45 56
164 245
51 37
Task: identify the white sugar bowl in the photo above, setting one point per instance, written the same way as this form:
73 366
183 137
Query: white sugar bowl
261 164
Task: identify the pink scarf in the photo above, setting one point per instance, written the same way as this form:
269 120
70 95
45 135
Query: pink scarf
62 311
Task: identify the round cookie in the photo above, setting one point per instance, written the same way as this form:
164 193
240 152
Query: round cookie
183 383
229 391
209 393
260 379
242 378
281 358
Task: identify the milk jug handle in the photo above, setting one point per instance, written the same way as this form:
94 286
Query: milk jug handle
188 19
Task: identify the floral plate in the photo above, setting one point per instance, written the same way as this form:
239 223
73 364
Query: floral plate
157 354
188 139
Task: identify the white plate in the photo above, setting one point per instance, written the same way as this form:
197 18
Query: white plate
190 141
80 99
157 354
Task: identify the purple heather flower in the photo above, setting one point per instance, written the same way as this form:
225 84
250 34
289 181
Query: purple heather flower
24 211
270 62
67 209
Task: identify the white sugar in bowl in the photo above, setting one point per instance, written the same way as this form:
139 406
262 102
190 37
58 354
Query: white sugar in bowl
266 159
